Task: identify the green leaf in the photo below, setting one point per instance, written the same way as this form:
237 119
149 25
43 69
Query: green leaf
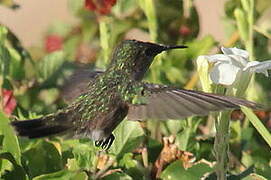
254 176
50 64
4 61
42 158
172 126
3 34
11 55
4 54
85 156
63 175
257 124
16 64
182 139
128 136
72 164
117 176
17 170
128 161
10 142
177 171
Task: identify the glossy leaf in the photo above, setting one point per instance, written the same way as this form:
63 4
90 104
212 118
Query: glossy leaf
128 136
63 175
177 171
117 176
42 158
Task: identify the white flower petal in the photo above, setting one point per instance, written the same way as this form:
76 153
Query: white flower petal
251 64
224 74
235 51
259 67
238 61
218 58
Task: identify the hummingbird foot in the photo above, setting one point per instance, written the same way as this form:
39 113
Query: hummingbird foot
105 143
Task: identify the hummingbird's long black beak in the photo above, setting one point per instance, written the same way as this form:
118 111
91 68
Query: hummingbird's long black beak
165 48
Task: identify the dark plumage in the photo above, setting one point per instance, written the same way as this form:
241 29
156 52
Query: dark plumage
101 100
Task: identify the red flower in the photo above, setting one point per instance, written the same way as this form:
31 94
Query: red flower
89 5
9 102
53 43
103 7
184 30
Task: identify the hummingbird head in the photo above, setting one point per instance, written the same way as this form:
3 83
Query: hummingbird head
135 57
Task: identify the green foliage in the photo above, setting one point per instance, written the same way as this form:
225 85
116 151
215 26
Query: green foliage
177 171
17 171
62 175
10 142
49 66
34 159
36 75
128 136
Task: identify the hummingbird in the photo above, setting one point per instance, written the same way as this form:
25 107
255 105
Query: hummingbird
102 99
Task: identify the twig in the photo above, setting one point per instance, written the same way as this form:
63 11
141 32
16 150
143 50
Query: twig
100 173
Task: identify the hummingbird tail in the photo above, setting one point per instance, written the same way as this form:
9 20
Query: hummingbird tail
40 127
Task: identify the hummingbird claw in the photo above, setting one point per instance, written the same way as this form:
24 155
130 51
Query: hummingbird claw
110 140
105 143
98 143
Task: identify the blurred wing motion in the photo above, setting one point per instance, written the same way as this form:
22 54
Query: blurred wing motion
163 102
77 83
171 103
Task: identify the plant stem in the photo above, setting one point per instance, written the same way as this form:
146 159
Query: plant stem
251 94
221 145
250 41
100 173
105 43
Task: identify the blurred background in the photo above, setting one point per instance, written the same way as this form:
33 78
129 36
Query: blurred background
40 14
44 42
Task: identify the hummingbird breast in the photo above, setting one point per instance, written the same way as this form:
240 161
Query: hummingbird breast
100 110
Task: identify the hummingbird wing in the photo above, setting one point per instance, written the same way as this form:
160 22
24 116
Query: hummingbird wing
77 83
164 103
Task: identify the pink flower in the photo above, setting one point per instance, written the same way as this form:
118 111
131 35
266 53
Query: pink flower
9 102
53 43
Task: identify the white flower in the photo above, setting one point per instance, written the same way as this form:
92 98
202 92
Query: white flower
232 65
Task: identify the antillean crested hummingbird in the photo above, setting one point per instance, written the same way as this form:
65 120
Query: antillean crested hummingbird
119 92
